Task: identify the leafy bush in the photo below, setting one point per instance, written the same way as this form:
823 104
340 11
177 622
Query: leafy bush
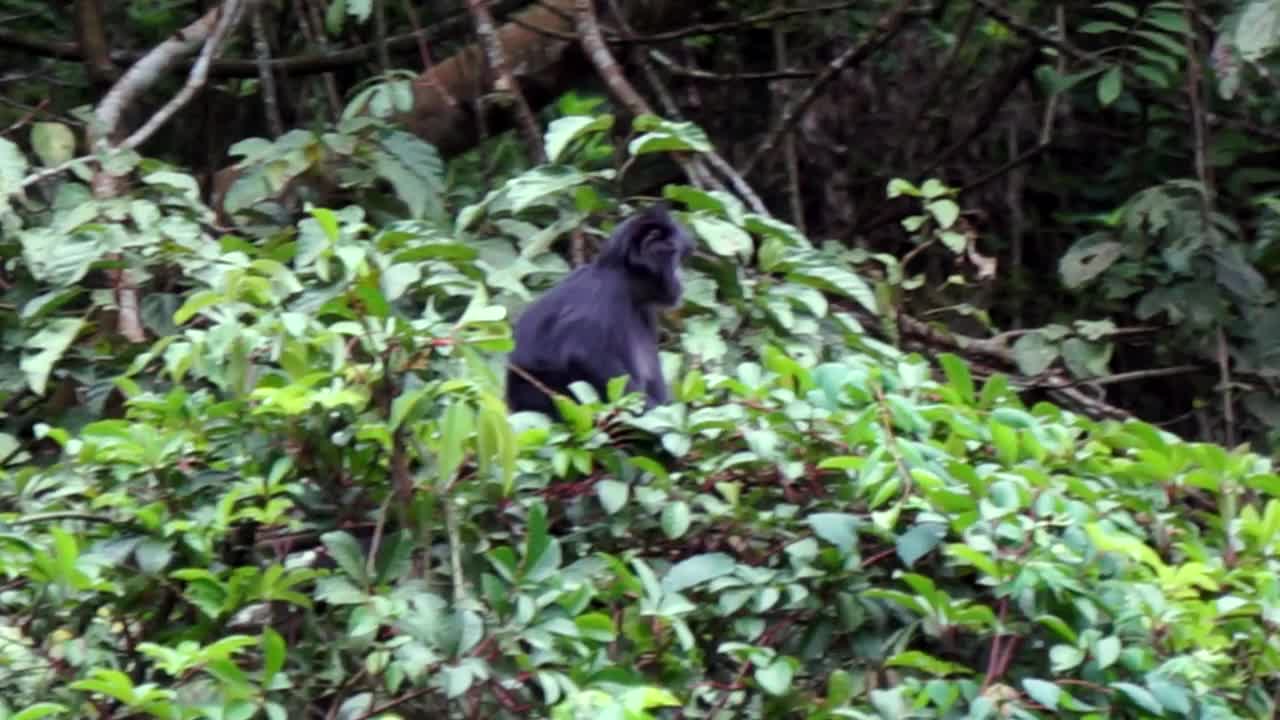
312 502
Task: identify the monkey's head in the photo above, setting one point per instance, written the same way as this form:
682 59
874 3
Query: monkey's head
650 246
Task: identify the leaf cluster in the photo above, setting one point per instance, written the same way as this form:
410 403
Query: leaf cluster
311 500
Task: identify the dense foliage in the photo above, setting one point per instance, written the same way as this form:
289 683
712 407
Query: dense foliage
254 459
310 501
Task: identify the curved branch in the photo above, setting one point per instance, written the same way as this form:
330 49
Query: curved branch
885 28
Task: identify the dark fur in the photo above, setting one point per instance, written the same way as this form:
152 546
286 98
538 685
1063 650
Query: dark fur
602 321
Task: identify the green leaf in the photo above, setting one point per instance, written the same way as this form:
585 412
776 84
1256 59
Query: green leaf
839 529
40 710
44 349
958 377
777 676
1086 359
920 541
1034 353
1140 696
898 187
839 688
195 303
675 519
697 569
13 170
1121 9
1107 651
274 653
415 170
57 258
1110 85
1044 692
837 279
455 430
399 278
933 188
53 142
537 185
595 626
346 552
1099 27
723 237
1063 658
1258 31
563 131
613 495
925 662
1088 258
1171 695
666 136
945 211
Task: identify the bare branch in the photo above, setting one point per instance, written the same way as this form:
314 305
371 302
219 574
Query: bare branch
262 53
672 109
213 26
886 26
504 82
593 44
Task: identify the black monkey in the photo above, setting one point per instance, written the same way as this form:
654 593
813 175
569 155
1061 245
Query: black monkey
602 321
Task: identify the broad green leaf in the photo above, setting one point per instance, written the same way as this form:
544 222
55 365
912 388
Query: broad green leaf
665 136
1087 259
274 652
898 187
1044 692
675 519
945 211
697 569
776 677
1034 354
1110 85
1258 30
196 302
44 349
53 142
958 376
920 541
613 495
1140 696
563 131
537 185
927 663
40 710
346 552
839 529
723 237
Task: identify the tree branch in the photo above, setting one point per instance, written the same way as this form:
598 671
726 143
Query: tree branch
885 28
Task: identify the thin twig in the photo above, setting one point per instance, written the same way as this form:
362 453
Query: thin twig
676 68
910 136
672 109
428 74
1059 42
504 81
1200 135
885 28
147 69
592 39
262 53
313 32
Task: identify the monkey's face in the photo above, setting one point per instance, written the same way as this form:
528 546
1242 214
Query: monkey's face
663 248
